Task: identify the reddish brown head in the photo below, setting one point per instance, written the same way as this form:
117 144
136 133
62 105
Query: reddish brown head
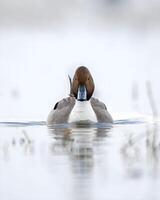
83 84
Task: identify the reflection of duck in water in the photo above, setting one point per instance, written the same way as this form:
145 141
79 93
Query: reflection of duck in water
79 144
80 107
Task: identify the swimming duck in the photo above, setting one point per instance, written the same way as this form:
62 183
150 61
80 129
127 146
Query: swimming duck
80 106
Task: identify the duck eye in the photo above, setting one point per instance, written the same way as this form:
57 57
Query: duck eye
88 78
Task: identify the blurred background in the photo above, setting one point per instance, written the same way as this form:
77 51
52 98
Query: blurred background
42 41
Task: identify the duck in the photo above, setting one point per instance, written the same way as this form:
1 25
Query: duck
80 107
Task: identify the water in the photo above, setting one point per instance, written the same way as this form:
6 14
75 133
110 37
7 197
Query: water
119 161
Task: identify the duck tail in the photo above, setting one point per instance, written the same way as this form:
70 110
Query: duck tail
70 82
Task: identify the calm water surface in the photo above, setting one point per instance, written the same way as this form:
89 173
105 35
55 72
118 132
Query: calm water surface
78 163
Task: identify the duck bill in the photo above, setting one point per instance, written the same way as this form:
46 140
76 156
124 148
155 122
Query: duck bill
82 93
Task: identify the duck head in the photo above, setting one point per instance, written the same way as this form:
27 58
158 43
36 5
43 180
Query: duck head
82 86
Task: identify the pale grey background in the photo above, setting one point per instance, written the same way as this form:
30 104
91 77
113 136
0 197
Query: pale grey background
43 41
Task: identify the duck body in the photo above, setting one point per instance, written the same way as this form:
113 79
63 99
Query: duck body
80 107
69 110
